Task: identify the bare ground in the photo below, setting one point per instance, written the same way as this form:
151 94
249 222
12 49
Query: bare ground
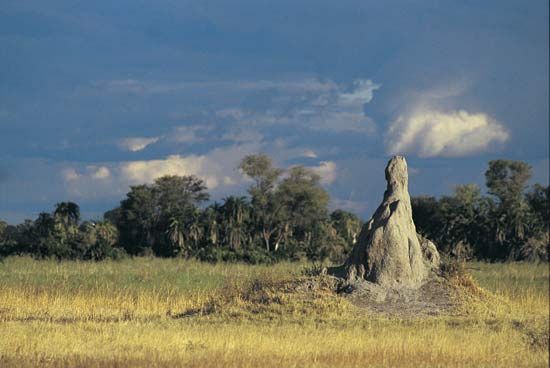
436 296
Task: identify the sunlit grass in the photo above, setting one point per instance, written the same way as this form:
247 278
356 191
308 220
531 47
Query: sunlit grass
130 313
524 285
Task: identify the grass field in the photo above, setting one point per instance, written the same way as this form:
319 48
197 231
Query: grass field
132 313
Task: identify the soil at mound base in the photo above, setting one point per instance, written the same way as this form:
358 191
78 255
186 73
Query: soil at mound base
436 296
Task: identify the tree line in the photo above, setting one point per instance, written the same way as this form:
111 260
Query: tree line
510 223
285 216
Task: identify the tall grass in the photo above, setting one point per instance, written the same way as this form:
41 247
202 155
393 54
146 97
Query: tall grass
130 313
524 285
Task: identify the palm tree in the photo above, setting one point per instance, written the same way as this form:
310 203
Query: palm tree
68 213
175 236
194 228
107 232
211 224
235 210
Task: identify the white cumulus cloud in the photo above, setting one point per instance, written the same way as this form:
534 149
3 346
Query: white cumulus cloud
326 170
217 168
70 174
147 171
431 133
100 173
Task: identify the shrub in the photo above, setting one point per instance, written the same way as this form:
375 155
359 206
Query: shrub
535 248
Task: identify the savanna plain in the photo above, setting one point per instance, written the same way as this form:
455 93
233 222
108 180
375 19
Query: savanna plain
154 312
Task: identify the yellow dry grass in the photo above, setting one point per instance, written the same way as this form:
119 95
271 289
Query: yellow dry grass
132 313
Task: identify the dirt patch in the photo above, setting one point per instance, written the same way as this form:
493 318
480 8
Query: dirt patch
436 296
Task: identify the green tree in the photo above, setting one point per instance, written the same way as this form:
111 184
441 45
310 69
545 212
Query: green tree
5 245
265 206
235 212
135 219
3 227
303 204
507 181
260 168
96 241
23 235
536 247
459 232
175 194
210 219
323 242
347 225
194 230
68 213
176 237
427 216
52 235
44 225
538 200
144 217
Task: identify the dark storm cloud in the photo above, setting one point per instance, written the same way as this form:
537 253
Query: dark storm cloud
82 82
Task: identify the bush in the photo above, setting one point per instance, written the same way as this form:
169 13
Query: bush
97 251
535 248
451 267
118 253
258 256
251 256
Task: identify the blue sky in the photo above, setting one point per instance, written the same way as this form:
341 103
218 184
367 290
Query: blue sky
96 96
